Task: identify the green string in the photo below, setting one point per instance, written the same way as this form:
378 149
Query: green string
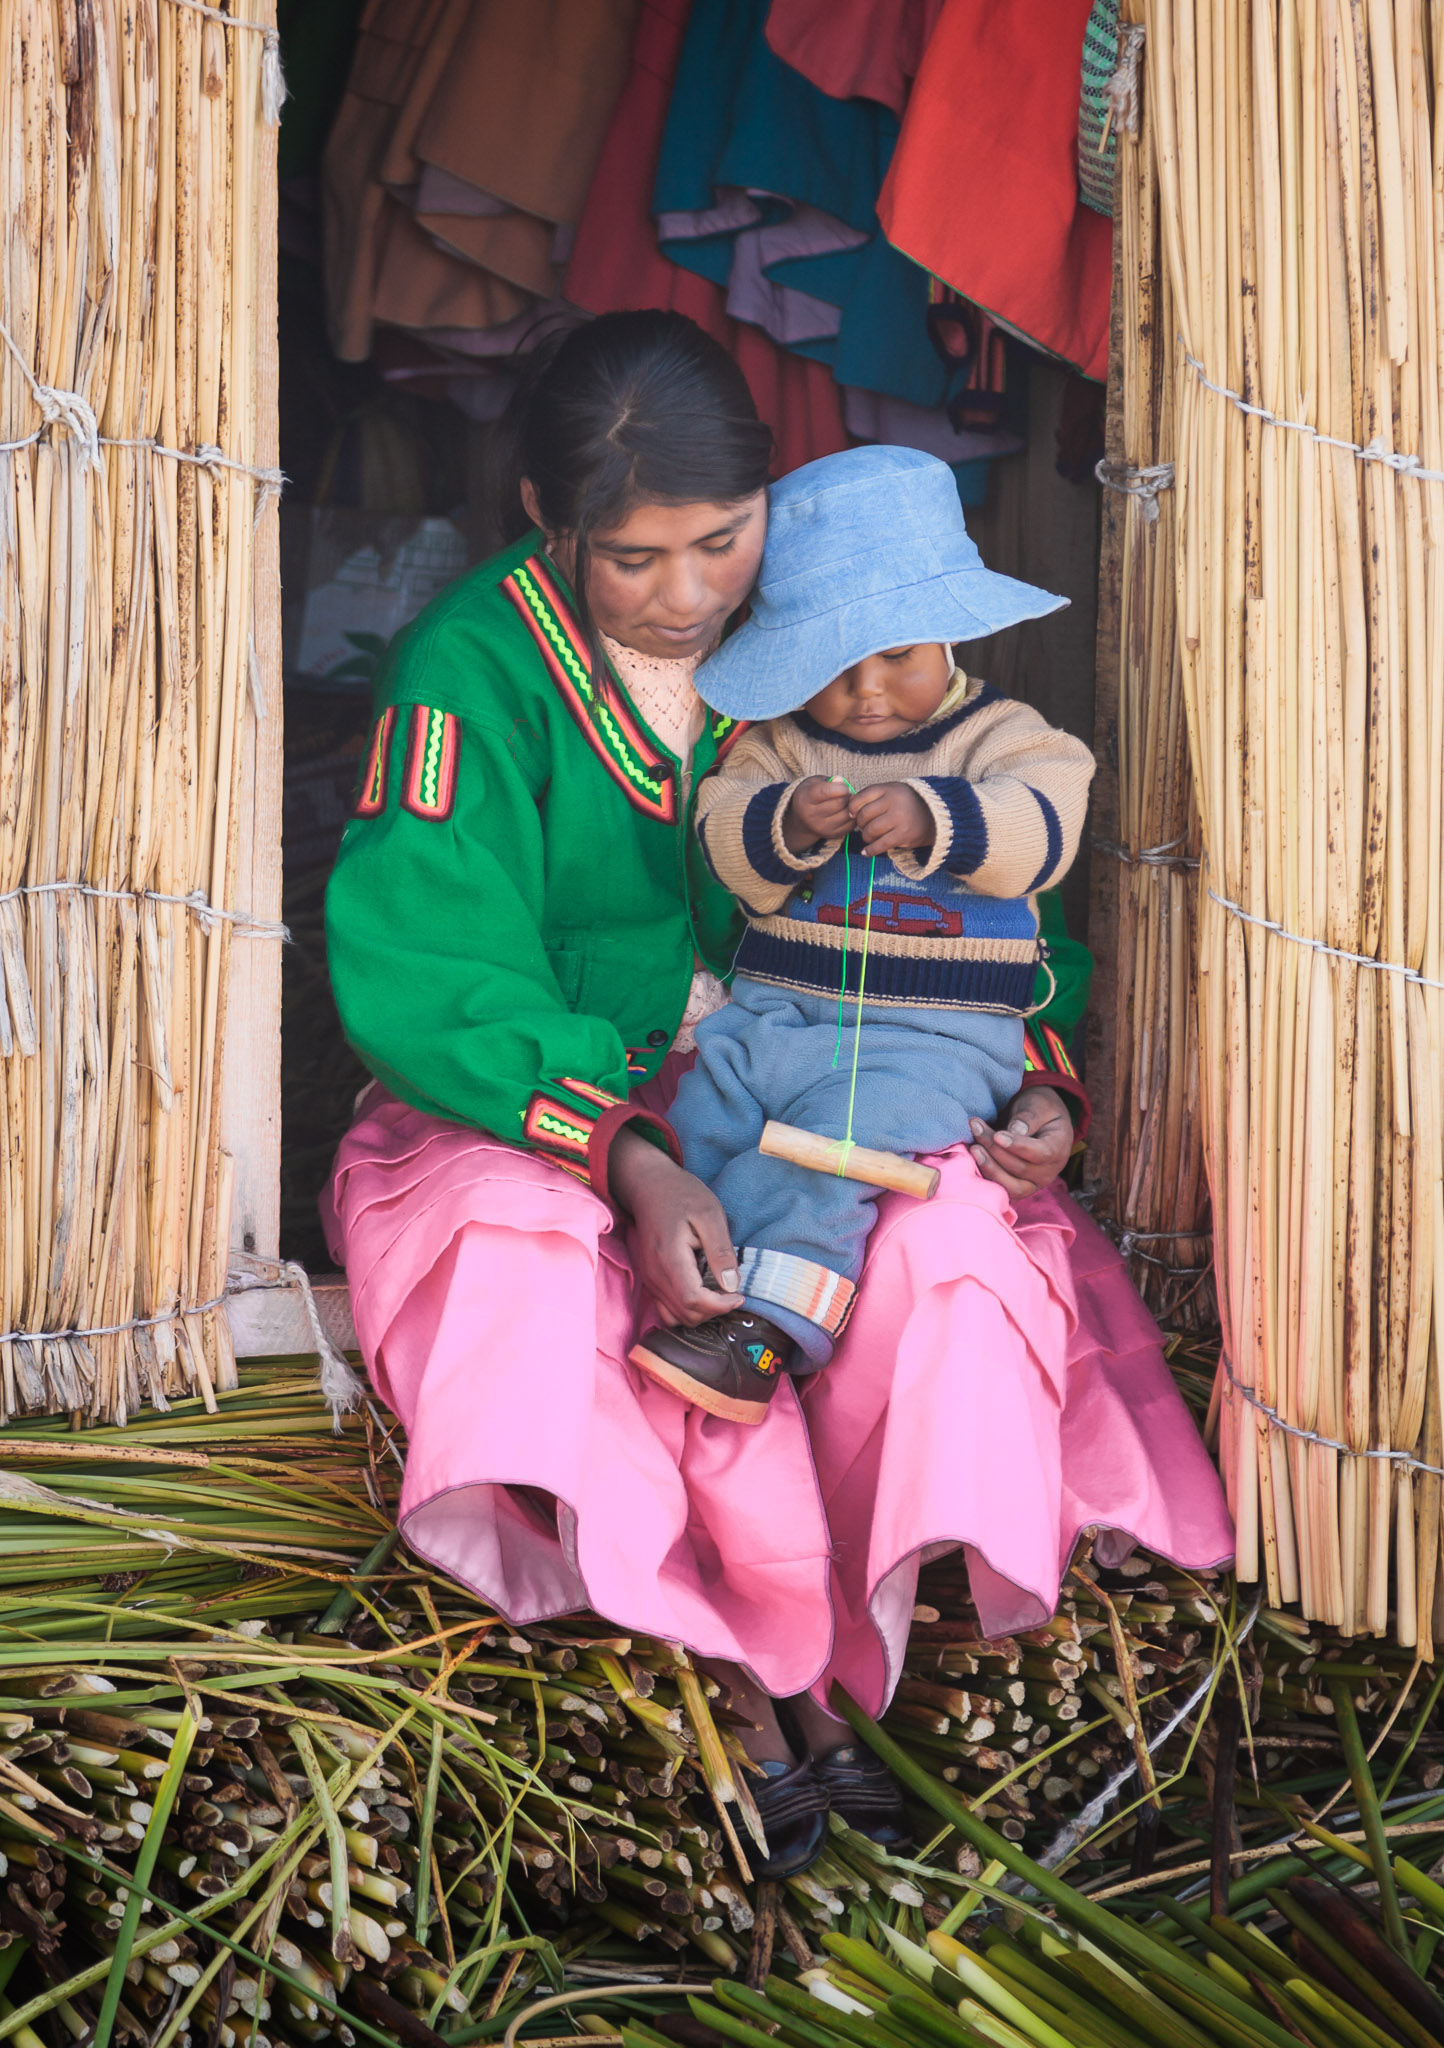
861 975
847 906
857 1029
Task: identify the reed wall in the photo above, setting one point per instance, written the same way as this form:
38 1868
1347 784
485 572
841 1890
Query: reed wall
136 160
1299 153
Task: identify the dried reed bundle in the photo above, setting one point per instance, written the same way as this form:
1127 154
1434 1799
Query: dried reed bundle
1298 153
1160 1197
135 140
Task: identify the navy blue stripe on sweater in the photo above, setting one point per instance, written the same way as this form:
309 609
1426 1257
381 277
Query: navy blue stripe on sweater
920 740
1055 839
757 846
969 848
945 984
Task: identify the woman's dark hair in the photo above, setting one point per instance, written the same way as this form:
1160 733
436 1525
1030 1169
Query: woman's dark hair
628 407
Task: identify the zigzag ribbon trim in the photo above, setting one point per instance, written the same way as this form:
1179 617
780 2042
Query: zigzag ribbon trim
428 787
371 800
597 706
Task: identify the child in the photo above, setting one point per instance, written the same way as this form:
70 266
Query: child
967 803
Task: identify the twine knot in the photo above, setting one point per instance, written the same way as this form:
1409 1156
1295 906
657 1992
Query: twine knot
67 409
1123 85
60 408
1130 481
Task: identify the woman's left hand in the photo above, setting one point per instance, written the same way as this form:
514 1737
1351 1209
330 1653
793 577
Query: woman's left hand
1032 1149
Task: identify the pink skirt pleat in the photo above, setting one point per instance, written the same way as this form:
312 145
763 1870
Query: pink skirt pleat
1000 1386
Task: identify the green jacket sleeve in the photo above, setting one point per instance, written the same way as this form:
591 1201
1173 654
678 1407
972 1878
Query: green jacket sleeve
443 984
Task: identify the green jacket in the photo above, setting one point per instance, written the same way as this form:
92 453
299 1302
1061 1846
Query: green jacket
519 903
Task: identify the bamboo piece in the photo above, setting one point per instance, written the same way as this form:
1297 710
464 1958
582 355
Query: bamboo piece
137 140
847 1161
1299 158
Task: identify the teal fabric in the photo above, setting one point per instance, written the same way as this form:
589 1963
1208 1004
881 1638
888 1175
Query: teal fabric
741 118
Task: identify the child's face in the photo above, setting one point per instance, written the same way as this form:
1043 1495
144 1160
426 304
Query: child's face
883 695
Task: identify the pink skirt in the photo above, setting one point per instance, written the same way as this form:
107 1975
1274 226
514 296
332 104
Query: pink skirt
1000 1386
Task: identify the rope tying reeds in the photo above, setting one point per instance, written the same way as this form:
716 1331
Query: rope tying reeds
165 1315
273 80
58 408
1149 857
75 415
1373 451
1131 481
339 1385
207 913
1313 1436
269 482
1268 924
1123 85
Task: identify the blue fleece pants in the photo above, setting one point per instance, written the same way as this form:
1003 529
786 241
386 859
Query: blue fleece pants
922 1074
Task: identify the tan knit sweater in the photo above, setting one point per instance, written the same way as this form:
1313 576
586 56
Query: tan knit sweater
955 925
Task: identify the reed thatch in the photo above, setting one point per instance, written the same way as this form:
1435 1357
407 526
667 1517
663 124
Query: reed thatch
1298 151
135 141
1157 1194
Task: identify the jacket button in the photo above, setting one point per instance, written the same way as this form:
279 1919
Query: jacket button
656 1038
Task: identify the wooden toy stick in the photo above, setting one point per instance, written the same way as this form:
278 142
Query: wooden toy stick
879 1169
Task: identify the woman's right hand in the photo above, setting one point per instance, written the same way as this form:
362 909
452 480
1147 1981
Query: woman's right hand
674 1218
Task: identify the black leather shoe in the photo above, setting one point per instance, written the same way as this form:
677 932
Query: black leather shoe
863 1792
793 1803
730 1366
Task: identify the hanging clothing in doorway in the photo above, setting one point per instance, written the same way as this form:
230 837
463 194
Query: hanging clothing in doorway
617 266
983 187
459 162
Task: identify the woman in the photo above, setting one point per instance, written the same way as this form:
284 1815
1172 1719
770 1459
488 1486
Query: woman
522 934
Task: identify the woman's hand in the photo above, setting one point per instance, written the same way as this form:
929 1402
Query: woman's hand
674 1217
818 810
1034 1147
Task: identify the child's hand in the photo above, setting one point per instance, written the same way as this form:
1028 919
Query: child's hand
891 816
818 810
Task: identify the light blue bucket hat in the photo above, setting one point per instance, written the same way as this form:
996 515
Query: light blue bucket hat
865 550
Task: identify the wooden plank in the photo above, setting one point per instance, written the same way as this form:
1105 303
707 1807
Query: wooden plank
271 1322
251 1090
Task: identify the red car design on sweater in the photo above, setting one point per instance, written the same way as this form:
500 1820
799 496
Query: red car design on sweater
900 912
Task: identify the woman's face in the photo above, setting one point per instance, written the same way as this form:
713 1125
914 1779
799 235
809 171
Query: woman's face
666 580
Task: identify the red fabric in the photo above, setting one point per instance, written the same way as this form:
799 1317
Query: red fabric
854 49
616 265
1065 1085
983 188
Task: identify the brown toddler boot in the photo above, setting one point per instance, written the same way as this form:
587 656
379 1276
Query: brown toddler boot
730 1366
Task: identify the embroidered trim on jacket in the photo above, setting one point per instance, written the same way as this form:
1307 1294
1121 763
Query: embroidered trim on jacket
1044 1053
598 707
428 786
725 734
371 792
562 1129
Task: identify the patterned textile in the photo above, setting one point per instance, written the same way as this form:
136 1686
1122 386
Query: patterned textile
1100 61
